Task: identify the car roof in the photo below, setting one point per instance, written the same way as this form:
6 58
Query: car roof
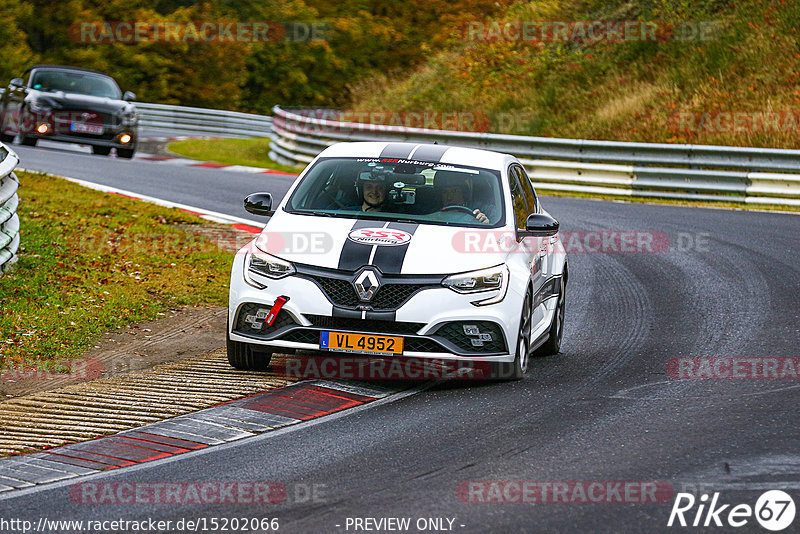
472 157
65 67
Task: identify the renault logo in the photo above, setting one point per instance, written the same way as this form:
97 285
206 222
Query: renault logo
366 285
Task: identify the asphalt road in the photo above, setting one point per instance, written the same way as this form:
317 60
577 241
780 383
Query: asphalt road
207 188
603 410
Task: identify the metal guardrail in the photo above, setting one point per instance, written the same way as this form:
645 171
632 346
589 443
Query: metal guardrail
693 172
9 221
212 122
203 121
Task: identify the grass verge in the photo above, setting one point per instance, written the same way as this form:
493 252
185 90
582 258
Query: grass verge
92 261
250 152
670 201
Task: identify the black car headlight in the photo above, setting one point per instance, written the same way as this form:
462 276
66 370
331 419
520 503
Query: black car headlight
266 265
491 279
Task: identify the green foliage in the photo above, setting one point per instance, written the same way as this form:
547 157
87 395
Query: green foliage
364 39
633 90
14 48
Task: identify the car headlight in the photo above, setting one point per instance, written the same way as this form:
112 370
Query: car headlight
263 264
491 279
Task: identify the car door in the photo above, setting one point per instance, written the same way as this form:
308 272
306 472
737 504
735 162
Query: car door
534 249
526 246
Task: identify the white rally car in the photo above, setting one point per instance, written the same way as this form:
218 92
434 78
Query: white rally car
403 250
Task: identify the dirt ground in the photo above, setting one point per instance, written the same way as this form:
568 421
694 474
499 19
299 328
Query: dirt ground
180 333
177 334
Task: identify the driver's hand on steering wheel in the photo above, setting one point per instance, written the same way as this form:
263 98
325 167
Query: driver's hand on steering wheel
480 216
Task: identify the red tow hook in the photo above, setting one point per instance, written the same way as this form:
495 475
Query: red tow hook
273 312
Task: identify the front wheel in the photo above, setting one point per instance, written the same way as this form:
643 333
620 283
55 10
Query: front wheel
126 153
4 137
516 370
243 356
101 150
27 140
556 333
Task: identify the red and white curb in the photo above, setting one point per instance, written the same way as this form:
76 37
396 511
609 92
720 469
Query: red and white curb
231 421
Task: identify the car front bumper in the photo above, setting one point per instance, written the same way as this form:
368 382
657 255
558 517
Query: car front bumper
431 321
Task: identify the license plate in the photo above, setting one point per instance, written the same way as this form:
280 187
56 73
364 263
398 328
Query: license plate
80 127
360 343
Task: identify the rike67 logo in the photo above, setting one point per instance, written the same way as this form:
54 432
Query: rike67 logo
774 510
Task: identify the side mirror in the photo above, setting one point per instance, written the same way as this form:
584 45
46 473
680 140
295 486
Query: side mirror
540 225
259 204
128 96
17 82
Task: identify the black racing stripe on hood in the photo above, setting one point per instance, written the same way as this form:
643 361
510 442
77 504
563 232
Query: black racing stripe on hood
390 259
354 255
398 150
430 152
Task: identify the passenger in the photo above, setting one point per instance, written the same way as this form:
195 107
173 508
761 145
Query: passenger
372 193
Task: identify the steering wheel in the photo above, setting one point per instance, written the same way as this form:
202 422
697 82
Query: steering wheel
458 208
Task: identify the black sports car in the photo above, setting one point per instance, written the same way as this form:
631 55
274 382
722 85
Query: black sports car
71 105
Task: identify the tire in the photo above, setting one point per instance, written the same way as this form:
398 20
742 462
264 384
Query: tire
516 370
243 356
4 137
126 153
556 333
27 141
101 150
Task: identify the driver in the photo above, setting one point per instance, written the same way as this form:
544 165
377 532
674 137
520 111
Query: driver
454 189
372 190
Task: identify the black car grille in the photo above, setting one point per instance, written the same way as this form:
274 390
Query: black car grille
338 291
364 325
391 296
416 344
388 297
302 335
454 333
260 328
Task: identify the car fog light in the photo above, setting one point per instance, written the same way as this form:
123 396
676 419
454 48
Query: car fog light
125 139
43 128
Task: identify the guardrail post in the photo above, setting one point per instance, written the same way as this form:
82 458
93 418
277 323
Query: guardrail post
9 220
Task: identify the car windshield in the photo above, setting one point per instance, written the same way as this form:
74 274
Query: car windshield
75 82
393 189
